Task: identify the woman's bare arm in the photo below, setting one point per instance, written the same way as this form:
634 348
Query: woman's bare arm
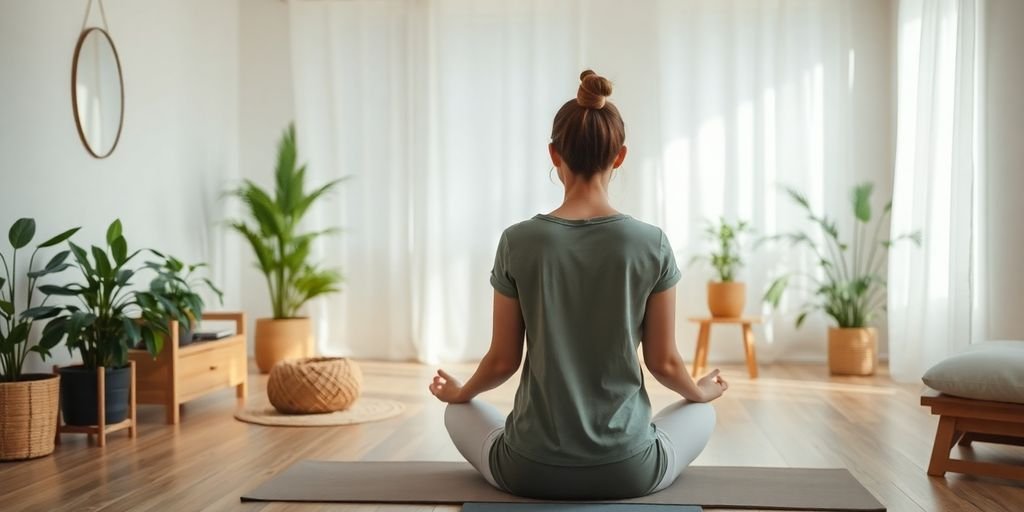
501 361
662 356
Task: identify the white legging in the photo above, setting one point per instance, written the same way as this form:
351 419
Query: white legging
683 428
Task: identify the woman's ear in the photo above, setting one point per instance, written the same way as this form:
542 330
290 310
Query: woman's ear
556 159
619 158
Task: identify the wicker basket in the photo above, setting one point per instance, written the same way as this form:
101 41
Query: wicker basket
28 416
314 385
852 351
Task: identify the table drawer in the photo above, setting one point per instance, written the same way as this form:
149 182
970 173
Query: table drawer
206 371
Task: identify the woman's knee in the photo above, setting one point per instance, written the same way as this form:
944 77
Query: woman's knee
688 419
452 413
706 417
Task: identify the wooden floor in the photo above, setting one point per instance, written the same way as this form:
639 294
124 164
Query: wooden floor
792 416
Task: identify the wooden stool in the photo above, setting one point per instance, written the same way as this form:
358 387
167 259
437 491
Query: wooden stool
964 420
700 359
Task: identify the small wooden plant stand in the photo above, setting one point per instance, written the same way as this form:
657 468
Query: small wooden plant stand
963 421
102 429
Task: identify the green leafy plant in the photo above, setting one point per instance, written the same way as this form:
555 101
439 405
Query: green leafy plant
282 251
179 283
110 317
852 290
15 327
725 254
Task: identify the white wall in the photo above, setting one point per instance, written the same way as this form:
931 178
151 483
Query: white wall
266 108
1003 176
179 145
209 89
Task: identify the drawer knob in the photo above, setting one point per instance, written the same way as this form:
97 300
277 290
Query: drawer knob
212 368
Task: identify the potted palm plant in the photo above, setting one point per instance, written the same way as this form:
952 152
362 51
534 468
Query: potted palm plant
108 318
179 283
28 418
283 255
850 287
726 296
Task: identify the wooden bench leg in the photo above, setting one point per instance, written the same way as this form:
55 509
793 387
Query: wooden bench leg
748 344
172 412
700 358
943 444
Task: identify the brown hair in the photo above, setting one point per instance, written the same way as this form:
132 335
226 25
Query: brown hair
588 131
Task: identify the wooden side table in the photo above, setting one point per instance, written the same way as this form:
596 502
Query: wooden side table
700 359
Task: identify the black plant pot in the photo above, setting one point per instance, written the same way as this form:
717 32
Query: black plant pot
78 395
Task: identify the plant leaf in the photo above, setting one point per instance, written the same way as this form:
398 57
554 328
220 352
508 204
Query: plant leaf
862 201
41 312
800 318
68 290
774 294
103 267
59 238
81 257
114 231
119 249
21 232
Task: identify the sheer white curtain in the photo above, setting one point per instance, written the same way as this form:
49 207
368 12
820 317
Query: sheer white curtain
931 292
440 111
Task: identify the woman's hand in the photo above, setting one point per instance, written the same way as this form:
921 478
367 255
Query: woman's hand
447 388
712 386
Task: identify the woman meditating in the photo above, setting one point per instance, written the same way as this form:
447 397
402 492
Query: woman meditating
586 286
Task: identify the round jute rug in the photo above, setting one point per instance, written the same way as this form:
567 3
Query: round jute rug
364 410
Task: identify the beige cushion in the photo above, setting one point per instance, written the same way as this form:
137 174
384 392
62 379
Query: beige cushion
993 370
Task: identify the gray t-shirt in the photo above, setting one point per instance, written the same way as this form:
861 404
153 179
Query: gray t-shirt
583 287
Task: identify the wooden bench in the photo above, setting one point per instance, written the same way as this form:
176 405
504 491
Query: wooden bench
180 374
963 421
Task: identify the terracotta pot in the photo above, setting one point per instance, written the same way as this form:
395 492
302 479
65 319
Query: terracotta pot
852 351
726 299
280 339
28 417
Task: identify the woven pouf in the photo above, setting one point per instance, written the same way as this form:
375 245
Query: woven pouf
314 385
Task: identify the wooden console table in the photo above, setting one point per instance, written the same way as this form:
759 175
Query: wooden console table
700 359
180 374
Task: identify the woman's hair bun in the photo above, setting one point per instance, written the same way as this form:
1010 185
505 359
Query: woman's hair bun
594 90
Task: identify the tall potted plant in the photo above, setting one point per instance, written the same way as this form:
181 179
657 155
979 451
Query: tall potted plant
28 417
850 288
108 318
283 255
726 296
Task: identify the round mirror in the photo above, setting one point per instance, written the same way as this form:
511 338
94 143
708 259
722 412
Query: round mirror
97 94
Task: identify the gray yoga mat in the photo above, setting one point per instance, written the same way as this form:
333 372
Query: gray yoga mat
458 482
575 507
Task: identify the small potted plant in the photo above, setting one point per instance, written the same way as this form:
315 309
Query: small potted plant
179 283
726 296
108 318
283 255
28 417
850 287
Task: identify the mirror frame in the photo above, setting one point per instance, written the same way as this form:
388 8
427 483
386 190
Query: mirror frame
74 92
